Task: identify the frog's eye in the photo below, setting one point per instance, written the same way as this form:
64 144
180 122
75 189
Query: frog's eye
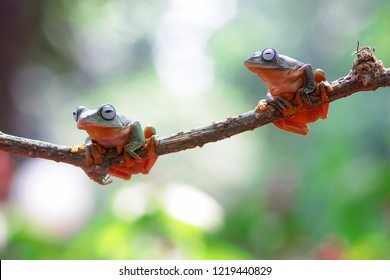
75 115
77 112
107 112
269 54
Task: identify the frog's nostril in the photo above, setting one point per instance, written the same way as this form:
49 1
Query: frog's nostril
256 55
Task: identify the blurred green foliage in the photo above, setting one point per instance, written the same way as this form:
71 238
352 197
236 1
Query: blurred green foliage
268 194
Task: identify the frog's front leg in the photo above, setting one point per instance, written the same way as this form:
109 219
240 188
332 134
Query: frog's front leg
151 143
93 152
302 98
323 87
137 141
281 103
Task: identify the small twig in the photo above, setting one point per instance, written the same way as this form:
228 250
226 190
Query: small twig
366 74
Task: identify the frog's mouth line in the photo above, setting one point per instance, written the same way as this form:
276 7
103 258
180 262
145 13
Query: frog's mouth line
84 124
251 64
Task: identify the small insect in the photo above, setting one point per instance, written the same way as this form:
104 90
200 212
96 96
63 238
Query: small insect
363 49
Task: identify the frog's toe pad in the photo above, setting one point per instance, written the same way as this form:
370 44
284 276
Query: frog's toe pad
326 85
76 149
262 106
328 88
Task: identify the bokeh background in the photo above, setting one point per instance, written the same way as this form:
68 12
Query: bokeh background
175 64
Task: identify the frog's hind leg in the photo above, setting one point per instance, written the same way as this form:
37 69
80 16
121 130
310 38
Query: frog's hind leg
324 111
120 172
292 126
151 143
322 89
92 152
323 86
281 103
149 131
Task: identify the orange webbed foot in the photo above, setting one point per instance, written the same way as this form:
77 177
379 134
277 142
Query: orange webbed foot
292 126
129 161
137 165
93 152
282 104
151 142
122 172
97 150
323 87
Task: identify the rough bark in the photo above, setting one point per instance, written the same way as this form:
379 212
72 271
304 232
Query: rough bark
367 74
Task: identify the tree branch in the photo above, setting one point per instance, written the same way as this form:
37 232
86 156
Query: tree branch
367 74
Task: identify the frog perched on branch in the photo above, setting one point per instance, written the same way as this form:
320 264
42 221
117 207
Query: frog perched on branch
292 86
367 74
107 129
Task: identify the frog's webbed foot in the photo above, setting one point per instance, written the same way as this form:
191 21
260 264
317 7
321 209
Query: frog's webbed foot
131 158
282 104
303 98
150 145
134 166
93 152
122 172
323 87
322 90
291 125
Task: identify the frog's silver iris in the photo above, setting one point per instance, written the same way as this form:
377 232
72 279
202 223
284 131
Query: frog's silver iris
269 54
107 111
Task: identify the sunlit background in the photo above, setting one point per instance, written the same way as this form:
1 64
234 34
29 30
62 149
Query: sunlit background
175 64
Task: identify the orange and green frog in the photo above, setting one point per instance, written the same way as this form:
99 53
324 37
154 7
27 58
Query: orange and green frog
106 130
291 87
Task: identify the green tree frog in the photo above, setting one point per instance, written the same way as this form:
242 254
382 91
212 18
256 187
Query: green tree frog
106 130
291 87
